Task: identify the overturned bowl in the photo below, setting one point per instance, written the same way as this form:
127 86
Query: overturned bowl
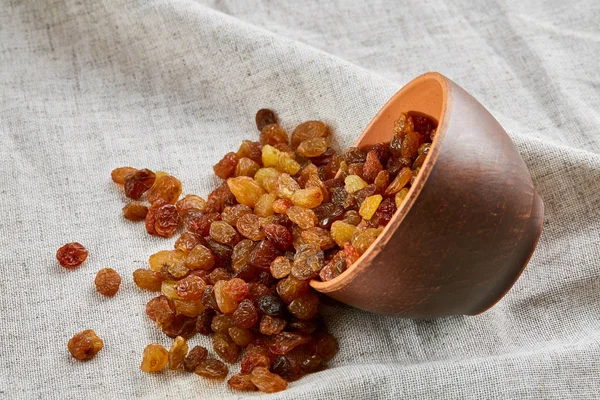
468 225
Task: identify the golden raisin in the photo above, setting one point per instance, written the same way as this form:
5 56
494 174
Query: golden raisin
305 218
200 257
369 206
135 211
166 258
177 353
166 190
313 147
85 345
400 196
264 205
245 189
246 167
190 288
155 358
190 202
147 279
354 183
267 381
401 180
342 232
309 130
308 198
118 174
107 282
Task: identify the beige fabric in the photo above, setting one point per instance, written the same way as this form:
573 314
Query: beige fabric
86 86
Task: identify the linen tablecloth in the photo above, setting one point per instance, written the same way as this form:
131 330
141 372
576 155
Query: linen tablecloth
86 86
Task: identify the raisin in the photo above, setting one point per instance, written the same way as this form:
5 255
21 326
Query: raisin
401 180
237 289
410 144
257 290
208 298
118 174
362 239
212 368
281 267
264 205
287 368
382 151
282 161
385 212
356 169
166 258
220 198
354 183
241 337
338 195
163 220
369 206
264 117
188 308
251 150
165 190
253 360
241 253
305 218
422 124
271 325
224 233
249 226
291 288
218 274
371 167
177 353
266 381
286 341
312 363
226 166
303 326
424 149
309 130
160 310
224 346
190 202
226 304
354 155
155 358
221 323
352 217
85 345
135 211
221 252
245 316
312 147
204 321
395 164
404 124
263 255
245 189
334 268
328 213
325 159
286 186
196 355
107 282
419 161
279 236
200 257
138 182
400 196
273 134
326 345
168 289
351 254
396 144
242 382
231 214
71 255
246 167
147 279
280 206
318 237
382 181
199 223
342 232
271 305
308 198
308 261
190 288
267 179
304 307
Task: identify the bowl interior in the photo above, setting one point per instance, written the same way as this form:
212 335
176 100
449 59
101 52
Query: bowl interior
426 94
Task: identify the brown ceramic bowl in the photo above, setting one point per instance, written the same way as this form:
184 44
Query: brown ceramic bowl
468 226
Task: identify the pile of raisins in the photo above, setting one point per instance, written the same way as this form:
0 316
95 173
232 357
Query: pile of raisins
289 210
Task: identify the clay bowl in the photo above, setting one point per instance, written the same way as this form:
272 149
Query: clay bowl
468 226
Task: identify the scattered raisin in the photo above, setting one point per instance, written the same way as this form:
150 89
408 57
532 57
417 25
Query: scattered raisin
155 358
107 282
71 255
135 211
85 345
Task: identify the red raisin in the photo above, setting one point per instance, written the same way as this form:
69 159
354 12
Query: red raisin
138 182
71 255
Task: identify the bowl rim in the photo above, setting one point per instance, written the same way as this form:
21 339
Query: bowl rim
363 262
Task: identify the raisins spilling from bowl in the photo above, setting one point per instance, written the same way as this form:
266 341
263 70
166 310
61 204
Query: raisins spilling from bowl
290 209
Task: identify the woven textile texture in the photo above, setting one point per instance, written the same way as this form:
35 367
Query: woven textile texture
86 86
